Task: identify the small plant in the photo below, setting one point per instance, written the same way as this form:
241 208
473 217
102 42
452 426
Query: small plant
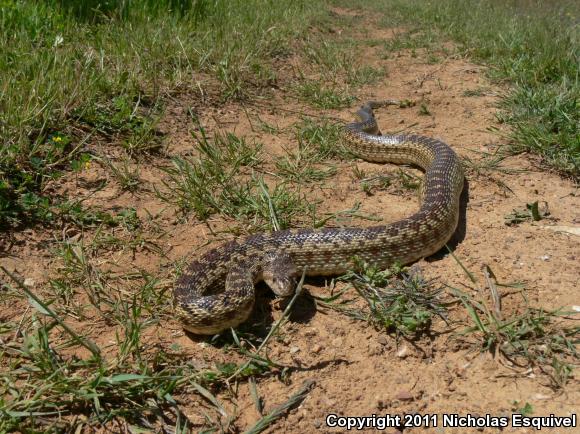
73 211
489 162
525 409
210 183
299 166
480 91
398 301
359 76
433 59
123 385
358 173
380 182
216 183
126 173
532 212
529 338
324 138
143 140
424 110
402 181
319 95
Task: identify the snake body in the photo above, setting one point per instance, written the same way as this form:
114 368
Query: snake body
204 307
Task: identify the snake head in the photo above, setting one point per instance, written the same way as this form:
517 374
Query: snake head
279 273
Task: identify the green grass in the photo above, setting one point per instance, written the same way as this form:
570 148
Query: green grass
532 212
397 301
225 179
531 46
50 386
75 72
527 337
318 142
47 387
402 182
324 136
530 338
322 96
336 60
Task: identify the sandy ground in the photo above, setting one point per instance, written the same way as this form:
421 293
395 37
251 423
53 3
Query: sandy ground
357 370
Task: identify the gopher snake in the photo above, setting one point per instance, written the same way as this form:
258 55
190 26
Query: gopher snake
205 307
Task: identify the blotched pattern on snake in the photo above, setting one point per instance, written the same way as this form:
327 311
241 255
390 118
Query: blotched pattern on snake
216 291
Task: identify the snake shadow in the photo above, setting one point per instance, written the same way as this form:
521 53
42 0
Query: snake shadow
262 318
305 306
459 234
304 309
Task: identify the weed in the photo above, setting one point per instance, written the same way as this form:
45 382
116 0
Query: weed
533 46
525 410
331 56
126 174
358 173
532 212
424 110
402 180
489 162
321 96
298 167
410 40
214 183
397 301
282 409
530 337
343 217
208 184
336 60
53 384
267 127
325 137
479 91
63 72
50 384
364 75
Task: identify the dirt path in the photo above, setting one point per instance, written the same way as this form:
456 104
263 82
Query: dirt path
358 370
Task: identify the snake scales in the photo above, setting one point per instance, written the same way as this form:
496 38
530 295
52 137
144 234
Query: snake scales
204 307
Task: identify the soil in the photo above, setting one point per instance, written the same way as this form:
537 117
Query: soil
357 369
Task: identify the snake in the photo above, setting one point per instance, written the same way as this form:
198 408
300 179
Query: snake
216 291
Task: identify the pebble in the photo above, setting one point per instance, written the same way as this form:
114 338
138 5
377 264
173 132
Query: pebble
403 352
404 395
328 403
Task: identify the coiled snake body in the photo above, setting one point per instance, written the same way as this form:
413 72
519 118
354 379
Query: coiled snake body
203 305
